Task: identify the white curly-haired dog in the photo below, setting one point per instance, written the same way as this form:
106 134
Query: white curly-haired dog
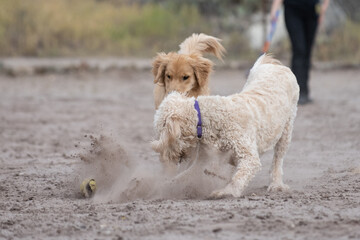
257 119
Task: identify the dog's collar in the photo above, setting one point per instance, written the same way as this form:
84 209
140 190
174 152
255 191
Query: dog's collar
199 124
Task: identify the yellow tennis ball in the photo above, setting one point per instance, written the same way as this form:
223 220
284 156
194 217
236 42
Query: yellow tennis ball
88 187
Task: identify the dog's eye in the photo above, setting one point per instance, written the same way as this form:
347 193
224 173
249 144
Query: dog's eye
185 77
168 76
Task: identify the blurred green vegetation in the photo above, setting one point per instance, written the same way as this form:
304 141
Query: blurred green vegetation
141 28
89 27
343 44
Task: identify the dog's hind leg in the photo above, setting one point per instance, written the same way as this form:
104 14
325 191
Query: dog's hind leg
248 164
277 165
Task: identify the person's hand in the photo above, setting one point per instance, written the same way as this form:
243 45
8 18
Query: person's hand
322 12
275 9
321 17
274 16
321 20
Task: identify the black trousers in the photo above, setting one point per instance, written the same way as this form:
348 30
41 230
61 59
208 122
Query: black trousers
301 21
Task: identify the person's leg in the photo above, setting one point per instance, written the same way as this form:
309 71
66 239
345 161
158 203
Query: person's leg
296 29
310 33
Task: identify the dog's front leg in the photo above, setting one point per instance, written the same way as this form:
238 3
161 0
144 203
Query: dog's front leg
248 165
169 168
195 165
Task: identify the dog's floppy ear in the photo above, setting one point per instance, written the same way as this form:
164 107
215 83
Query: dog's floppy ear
168 135
159 66
173 129
202 69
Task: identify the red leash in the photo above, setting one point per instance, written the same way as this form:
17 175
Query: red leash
271 33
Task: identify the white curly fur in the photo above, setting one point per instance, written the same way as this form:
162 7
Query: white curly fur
257 119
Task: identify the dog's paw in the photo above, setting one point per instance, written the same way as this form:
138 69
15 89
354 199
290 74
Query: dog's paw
278 187
229 191
219 194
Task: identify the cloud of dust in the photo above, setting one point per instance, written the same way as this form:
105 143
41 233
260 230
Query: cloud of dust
121 177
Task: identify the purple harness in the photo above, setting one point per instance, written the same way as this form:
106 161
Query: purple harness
199 125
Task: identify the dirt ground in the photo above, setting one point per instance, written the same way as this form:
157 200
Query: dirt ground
48 126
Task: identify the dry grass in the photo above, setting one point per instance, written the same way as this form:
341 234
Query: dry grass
89 27
342 45
119 28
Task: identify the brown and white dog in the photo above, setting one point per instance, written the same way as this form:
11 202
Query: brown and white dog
257 119
186 71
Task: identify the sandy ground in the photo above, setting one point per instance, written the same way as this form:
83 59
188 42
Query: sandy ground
46 126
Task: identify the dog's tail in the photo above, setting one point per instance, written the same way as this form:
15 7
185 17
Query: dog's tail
265 59
202 43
